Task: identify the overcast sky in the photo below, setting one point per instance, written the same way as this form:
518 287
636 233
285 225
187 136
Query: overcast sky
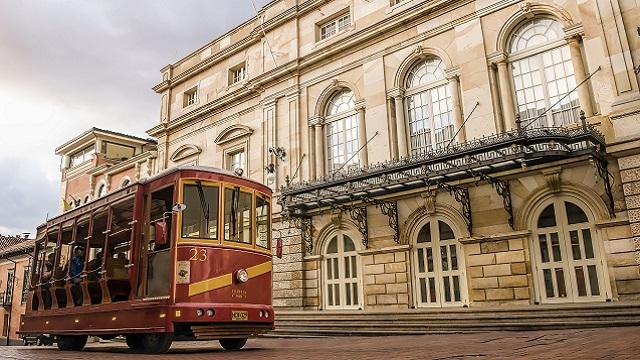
68 65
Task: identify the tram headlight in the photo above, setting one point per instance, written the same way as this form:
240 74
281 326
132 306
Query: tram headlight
242 276
199 312
210 312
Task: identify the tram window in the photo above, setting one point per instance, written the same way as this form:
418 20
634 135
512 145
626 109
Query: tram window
200 218
60 268
161 204
62 264
37 267
237 215
79 250
263 224
94 265
120 239
48 259
118 250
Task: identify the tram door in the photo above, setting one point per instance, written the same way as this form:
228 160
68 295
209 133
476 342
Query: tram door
155 277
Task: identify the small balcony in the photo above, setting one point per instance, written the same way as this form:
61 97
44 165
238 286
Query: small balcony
6 299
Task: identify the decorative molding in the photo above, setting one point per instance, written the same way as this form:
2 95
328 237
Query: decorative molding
496 237
386 250
184 152
233 132
607 223
316 120
553 179
395 92
429 202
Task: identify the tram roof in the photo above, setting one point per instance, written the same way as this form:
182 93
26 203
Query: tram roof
130 189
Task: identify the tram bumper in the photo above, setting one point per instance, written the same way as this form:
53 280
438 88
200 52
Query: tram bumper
224 320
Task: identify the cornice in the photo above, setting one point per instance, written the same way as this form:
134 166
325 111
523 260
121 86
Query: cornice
386 28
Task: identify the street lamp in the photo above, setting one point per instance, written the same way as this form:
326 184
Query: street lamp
277 154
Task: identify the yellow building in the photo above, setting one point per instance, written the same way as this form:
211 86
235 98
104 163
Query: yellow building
435 151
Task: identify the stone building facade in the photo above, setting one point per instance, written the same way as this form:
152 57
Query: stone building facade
436 151
98 161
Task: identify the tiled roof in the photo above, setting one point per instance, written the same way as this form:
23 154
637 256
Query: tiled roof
6 241
12 245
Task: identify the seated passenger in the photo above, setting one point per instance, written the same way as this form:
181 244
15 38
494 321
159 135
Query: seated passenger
77 265
94 266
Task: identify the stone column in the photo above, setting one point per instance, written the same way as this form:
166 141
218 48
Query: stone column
580 73
312 152
393 134
319 145
362 134
454 88
495 99
506 95
401 125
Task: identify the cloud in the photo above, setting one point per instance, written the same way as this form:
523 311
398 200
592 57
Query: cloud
69 65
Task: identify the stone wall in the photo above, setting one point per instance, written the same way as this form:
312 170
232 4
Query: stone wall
287 274
386 283
498 270
625 250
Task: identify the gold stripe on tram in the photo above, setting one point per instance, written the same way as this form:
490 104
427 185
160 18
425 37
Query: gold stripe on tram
221 281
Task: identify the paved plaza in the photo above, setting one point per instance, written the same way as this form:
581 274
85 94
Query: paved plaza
603 343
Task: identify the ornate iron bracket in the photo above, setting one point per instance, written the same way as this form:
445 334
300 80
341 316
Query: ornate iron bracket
503 189
601 166
305 228
390 208
359 215
462 196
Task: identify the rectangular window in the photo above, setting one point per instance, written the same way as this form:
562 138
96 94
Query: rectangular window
190 97
200 218
334 26
237 73
237 215
263 223
25 284
237 160
82 156
8 295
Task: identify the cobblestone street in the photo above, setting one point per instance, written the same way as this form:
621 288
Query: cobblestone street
604 343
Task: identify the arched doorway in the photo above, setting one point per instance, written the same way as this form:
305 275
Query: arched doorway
567 254
438 267
341 273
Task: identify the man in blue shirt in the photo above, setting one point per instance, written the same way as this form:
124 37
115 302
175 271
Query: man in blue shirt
77 265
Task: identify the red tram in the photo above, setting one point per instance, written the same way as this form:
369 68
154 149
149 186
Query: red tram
183 255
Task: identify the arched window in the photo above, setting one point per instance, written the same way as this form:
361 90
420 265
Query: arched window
543 73
86 199
437 267
102 190
429 106
125 182
566 249
342 131
340 269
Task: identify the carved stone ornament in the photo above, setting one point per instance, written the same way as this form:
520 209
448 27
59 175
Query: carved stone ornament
334 82
418 49
525 7
336 218
552 180
429 198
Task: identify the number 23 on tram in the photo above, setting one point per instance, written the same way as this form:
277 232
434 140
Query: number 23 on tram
185 254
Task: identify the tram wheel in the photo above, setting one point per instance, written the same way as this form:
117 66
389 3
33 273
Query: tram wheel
72 342
233 344
156 343
134 342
